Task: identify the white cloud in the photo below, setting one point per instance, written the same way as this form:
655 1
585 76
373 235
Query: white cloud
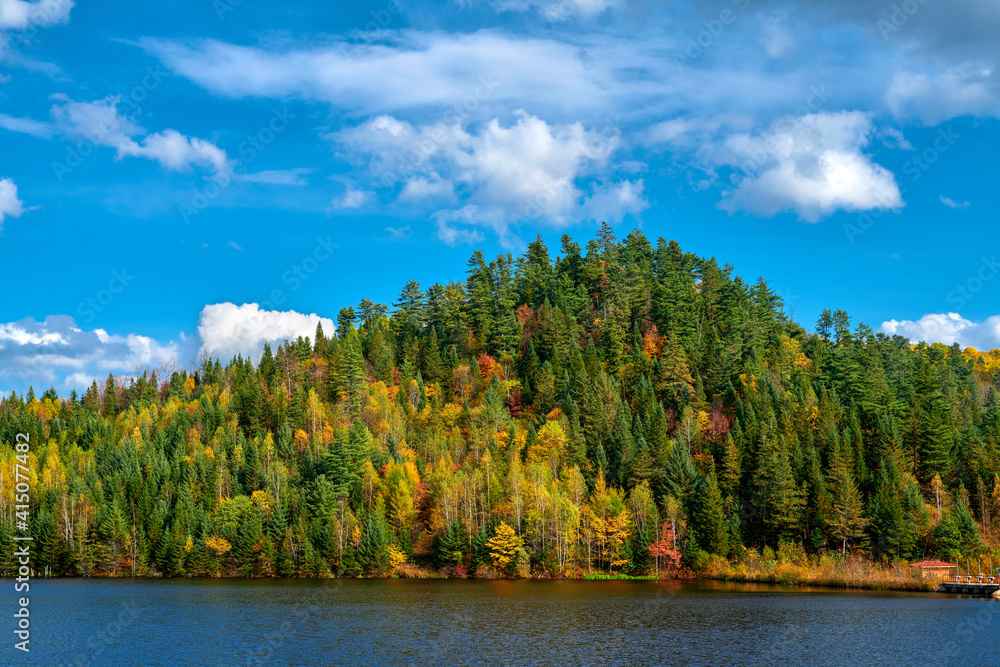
25 126
19 15
420 188
410 70
948 328
275 177
352 198
226 329
399 233
777 39
176 151
471 217
691 131
531 170
10 205
968 89
490 73
612 202
812 165
951 203
100 123
893 138
57 352
557 10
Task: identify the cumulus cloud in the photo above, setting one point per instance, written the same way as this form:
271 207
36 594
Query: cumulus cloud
57 352
100 123
812 165
226 329
10 205
531 170
20 15
948 328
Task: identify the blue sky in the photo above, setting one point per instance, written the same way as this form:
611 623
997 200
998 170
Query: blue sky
199 177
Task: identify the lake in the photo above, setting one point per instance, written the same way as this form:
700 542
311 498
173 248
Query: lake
431 622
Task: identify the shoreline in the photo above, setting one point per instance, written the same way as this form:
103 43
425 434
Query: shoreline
917 586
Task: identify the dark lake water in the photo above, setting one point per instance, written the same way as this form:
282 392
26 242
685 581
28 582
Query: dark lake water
405 622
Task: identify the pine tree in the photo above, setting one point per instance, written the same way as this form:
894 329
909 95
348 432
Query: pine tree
887 511
373 548
847 520
449 547
778 500
708 522
937 438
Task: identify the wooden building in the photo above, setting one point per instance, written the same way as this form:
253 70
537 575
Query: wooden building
933 569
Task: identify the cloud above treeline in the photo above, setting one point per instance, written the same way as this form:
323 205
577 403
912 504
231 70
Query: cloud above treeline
493 176
948 328
57 352
226 330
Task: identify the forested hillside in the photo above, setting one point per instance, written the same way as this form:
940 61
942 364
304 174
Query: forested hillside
539 415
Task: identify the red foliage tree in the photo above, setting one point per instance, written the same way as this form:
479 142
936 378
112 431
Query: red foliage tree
665 548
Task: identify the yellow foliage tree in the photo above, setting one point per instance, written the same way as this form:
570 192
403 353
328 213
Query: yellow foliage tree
263 500
551 443
396 557
618 529
219 545
504 547
301 440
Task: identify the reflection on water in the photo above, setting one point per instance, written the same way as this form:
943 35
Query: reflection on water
405 622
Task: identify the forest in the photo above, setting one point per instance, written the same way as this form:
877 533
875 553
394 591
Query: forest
623 408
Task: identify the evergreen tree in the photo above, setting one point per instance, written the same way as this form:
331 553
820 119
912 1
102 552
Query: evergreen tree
709 523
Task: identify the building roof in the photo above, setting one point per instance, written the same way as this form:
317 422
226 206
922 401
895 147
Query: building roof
932 563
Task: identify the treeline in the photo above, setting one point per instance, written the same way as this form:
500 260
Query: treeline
587 414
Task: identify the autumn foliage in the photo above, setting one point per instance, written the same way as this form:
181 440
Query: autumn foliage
621 409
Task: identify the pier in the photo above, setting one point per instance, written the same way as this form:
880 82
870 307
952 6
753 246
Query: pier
980 586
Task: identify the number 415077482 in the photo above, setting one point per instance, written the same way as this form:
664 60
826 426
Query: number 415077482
22 478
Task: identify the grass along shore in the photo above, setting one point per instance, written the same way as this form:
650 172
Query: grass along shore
790 566
831 569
